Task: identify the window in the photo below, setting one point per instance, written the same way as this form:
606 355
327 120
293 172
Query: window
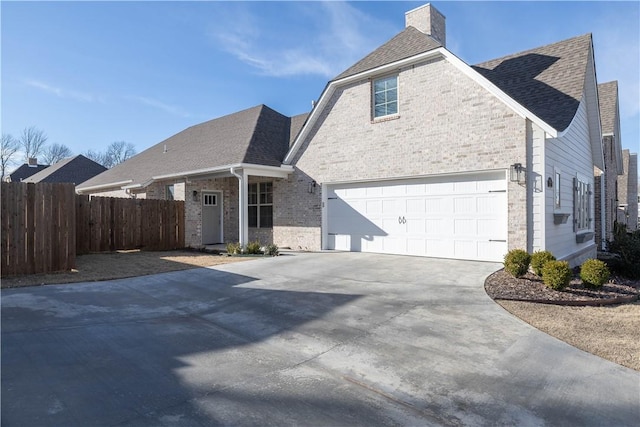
557 200
169 193
210 200
385 96
261 205
581 204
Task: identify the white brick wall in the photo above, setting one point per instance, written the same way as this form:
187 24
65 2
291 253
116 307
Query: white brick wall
447 124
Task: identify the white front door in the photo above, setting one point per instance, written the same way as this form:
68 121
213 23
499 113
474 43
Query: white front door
461 217
211 217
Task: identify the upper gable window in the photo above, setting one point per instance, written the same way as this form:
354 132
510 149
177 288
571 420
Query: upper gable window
385 96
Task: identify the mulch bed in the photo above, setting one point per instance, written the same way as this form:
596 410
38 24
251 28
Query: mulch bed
619 290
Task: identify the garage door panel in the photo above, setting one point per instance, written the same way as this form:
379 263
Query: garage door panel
450 217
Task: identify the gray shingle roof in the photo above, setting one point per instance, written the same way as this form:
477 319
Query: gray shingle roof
409 42
258 135
25 171
608 99
296 124
75 169
548 80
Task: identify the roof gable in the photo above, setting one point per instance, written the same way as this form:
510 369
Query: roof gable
258 135
75 170
25 171
549 81
407 43
608 100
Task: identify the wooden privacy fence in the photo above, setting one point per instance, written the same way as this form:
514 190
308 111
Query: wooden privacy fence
109 224
38 228
45 225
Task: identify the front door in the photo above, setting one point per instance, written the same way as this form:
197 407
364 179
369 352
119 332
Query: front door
211 218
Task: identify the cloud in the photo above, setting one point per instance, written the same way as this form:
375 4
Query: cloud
325 39
63 93
151 102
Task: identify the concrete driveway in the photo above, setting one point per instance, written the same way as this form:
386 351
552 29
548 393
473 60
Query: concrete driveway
303 339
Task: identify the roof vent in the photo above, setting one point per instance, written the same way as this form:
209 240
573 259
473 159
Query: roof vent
165 148
428 20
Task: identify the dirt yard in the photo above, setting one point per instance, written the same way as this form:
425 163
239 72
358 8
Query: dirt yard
118 265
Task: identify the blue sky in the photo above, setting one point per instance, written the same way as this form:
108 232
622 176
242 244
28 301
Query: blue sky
89 73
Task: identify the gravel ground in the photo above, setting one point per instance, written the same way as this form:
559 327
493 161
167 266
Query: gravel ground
121 264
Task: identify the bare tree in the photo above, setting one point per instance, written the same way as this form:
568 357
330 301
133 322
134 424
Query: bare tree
10 147
116 153
56 152
33 142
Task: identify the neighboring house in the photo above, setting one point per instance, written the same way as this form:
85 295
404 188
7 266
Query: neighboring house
409 151
628 191
606 181
75 170
26 170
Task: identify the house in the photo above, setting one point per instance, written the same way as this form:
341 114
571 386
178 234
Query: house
75 170
627 212
606 181
26 170
409 151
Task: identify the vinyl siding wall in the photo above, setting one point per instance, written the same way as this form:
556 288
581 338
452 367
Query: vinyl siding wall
571 153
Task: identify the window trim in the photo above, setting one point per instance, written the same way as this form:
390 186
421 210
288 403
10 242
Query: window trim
170 192
373 98
582 198
258 203
557 188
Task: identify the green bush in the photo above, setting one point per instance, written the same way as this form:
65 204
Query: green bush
539 259
556 274
253 248
594 273
627 248
516 262
271 250
233 248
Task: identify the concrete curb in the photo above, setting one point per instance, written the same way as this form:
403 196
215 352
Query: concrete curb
584 303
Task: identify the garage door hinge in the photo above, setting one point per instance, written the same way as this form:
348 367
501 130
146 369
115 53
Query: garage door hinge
497 240
332 234
332 198
497 191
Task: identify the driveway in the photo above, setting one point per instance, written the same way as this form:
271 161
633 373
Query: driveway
303 339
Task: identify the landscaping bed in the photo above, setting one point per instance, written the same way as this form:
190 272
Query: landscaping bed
502 286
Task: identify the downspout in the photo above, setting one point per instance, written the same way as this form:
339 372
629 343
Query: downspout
243 208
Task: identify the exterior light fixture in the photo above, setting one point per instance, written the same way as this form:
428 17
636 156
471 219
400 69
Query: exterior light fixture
518 173
312 187
195 195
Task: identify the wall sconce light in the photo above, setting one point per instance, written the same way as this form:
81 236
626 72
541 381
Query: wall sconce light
195 195
549 182
312 187
518 173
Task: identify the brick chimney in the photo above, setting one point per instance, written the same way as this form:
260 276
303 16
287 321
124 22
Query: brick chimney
428 20
33 162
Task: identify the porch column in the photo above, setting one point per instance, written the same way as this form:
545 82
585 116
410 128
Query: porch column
243 207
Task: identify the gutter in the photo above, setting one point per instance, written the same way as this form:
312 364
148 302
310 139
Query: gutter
103 186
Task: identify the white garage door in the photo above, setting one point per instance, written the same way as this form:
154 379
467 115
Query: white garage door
463 217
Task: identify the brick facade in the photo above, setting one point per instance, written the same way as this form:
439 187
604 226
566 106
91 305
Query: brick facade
446 124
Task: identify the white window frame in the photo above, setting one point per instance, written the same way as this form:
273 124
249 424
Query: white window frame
386 103
582 198
557 188
209 199
259 204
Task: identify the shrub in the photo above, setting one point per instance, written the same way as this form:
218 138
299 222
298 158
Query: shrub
627 247
556 274
253 248
234 248
594 273
539 259
271 249
516 262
